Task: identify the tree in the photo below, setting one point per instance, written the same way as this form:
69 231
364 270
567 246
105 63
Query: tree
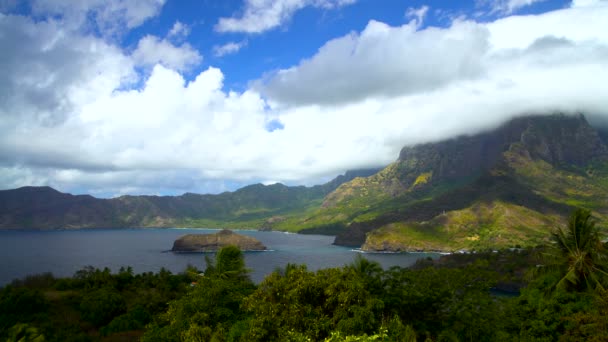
370 272
101 306
579 254
209 310
229 264
296 304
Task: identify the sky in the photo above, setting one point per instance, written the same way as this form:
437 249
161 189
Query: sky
163 97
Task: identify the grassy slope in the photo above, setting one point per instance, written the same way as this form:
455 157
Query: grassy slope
500 223
367 199
581 187
483 225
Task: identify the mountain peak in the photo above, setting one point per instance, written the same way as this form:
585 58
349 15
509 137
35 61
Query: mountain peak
557 139
39 189
531 165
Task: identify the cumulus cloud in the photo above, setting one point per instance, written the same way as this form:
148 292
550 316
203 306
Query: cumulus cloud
179 30
152 50
382 88
48 72
107 16
228 48
383 61
259 16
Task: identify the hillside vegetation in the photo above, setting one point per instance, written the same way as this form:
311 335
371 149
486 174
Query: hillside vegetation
254 206
552 293
501 188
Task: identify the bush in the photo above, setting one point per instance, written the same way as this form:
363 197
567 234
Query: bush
135 319
19 305
101 306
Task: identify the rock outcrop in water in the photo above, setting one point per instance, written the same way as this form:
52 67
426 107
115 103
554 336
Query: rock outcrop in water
213 242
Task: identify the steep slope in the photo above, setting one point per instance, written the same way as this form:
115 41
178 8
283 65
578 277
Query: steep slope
44 207
252 206
439 195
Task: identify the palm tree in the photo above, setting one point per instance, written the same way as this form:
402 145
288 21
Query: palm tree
365 267
370 272
229 263
579 253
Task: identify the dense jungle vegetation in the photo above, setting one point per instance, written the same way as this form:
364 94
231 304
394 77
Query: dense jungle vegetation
561 297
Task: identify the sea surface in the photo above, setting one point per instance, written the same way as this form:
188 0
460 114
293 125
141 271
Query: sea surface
64 252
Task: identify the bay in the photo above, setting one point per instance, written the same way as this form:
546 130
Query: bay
64 252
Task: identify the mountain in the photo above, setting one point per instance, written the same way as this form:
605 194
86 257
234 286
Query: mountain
505 187
252 206
501 188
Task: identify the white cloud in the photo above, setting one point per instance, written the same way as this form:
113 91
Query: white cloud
108 16
152 50
506 7
589 3
519 32
228 48
382 88
48 72
263 15
383 61
179 30
417 14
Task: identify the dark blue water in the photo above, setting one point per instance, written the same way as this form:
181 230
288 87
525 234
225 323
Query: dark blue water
65 252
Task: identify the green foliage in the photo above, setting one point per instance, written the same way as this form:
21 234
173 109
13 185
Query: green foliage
212 307
100 306
576 260
35 281
312 304
580 254
534 316
447 299
433 300
20 305
337 336
368 272
78 308
22 332
135 319
229 263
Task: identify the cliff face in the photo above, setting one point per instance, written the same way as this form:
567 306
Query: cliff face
192 243
539 166
558 139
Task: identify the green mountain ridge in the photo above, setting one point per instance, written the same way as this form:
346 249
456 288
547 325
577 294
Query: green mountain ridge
501 188
497 189
248 207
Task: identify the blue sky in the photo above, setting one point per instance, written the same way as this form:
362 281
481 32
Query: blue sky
166 97
301 35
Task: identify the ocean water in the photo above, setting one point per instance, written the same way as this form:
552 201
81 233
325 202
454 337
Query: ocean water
67 251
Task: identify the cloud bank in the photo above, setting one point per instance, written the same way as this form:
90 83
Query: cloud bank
96 124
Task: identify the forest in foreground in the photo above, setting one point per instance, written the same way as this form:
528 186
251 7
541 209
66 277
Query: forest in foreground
556 293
